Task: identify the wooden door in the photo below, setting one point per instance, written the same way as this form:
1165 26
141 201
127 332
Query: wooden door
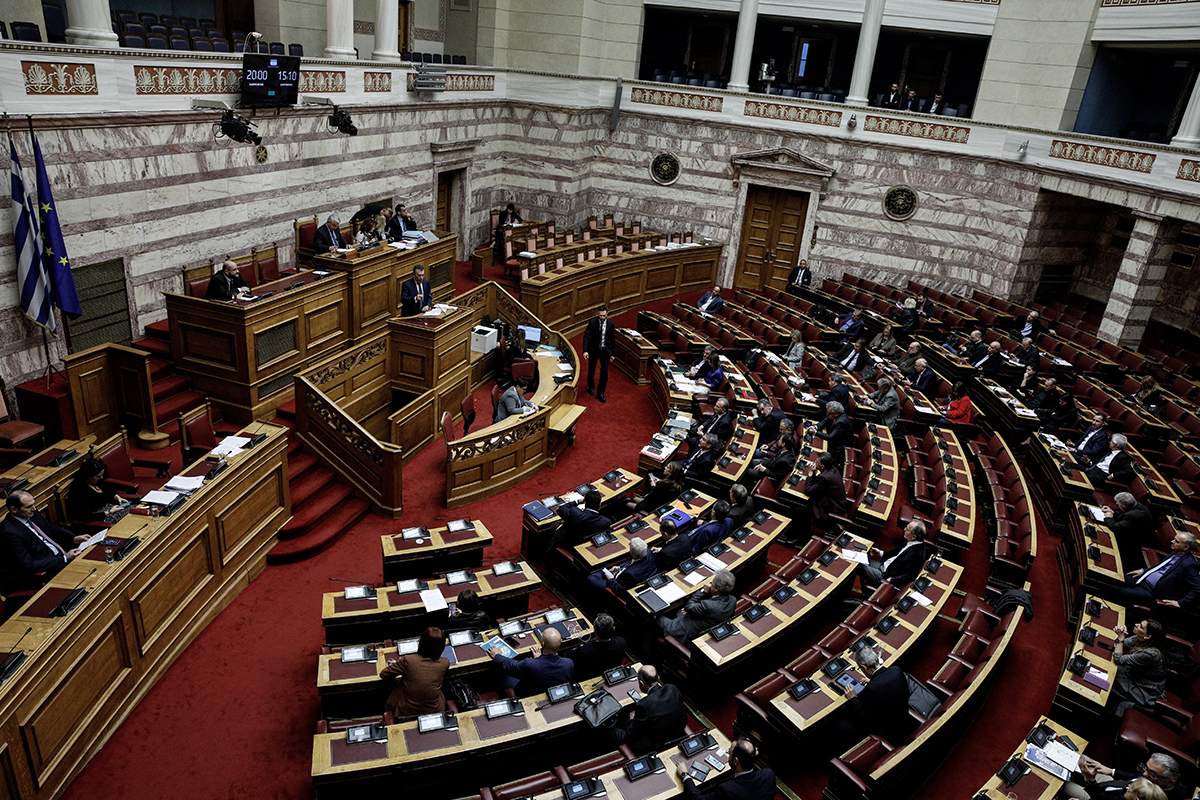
443 202
772 237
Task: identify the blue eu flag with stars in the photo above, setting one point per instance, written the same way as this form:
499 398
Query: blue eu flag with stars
54 249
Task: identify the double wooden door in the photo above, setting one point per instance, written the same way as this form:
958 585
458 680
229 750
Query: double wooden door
772 237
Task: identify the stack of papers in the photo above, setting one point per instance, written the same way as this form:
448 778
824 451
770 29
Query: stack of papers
527 254
857 556
433 600
183 484
231 446
1041 759
711 561
160 498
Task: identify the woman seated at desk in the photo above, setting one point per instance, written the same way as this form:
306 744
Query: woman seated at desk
418 678
367 234
87 500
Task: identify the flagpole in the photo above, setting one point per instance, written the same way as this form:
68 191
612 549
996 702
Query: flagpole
51 370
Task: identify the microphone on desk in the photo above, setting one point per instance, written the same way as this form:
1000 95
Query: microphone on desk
356 583
72 598
11 661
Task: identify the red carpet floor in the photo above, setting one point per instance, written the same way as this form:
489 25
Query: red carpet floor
235 715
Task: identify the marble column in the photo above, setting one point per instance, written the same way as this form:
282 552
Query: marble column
1188 134
864 57
91 24
387 31
1139 280
339 23
743 45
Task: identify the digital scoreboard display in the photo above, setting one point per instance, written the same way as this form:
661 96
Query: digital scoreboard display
270 80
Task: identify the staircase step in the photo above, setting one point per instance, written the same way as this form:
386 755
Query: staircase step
154 346
290 424
287 410
332 528
293 448
312 481
159 368
159 330
169 386
298 465
314 511
169 410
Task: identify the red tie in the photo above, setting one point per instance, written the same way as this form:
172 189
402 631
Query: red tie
54 546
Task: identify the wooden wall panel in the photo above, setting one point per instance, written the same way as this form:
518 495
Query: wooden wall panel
324 323
99 666
9 789
205 346
156 607
375 300
241 522
661 278
415 426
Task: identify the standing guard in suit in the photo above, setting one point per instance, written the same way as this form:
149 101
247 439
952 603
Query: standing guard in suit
32 543
891 98
598 346
416 295
327 237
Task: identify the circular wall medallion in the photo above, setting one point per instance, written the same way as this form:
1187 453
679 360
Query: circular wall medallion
260 154
900 202
664 168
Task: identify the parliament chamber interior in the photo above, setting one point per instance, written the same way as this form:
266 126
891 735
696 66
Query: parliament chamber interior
748 400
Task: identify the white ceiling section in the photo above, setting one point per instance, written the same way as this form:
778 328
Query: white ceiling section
1149 22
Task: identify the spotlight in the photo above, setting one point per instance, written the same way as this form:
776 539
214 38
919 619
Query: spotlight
340 120
238 128
852 123
1023 149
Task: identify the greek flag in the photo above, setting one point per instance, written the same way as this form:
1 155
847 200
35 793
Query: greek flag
54 249
31 272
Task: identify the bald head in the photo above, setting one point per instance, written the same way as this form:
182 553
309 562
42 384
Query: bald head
551 641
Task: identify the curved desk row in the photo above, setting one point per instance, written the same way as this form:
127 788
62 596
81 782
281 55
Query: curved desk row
85 671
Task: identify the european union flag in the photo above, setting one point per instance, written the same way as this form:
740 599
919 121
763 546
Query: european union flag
54 249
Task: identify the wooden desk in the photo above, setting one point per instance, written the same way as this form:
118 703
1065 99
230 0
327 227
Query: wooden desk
801 715
661 448
535 535
1037 784
733 464
376 274
1004 412
502 747
85 672
1103 570
350 690
243 355
634 354
565 298
713 656
1076 702
393 613
592 558
49 483
437 551
739 556
1055 489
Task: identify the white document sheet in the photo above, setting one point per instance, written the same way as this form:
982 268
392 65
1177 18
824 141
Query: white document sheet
433 600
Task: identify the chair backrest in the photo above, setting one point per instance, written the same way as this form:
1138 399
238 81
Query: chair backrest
26 32
268 268
155 42
278 49
133 40
524 368
116 461
199 287
447 427
196 430
179 43
297 50
247 273
202 45
468 411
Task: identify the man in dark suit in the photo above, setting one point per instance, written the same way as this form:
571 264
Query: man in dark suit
1131 523
902 564
1116 465
891 98
546 668
853 356
1174 581
910 102
400 223
719 423
826 492
653 722
934 105
1093 443
509 215
925 379
328 238
836 430
416 295
700 462
597 347
992 363
741 504
675 547
838 393
886 401
881 707
638 569
746 783
1031 326
226 283
712 604
711 302
851 324
713 531
1026 353
701 367
799 277
604 650
925 306
766 421
974 349
32 543
579 523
